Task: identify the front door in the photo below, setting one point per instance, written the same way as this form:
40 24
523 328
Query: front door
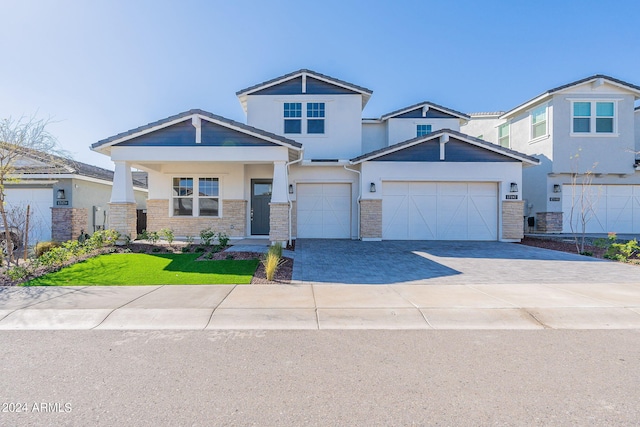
260 199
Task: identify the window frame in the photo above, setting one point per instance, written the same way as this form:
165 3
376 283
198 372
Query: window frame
533 138
195 196
321 117
429 129
289 118
508 136
593 116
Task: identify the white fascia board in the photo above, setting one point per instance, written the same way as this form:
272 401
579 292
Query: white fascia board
426 104
524 107
499 151
200 154
375 156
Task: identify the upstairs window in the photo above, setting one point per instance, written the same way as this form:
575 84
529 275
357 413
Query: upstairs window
503 135
422 130
292 117
315 117
539 122
593 117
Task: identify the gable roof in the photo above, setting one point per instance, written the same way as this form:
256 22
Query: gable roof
545 95
49 164
429 105
437 134
242 94
104 145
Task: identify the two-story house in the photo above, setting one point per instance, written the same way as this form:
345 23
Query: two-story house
306 165
586 137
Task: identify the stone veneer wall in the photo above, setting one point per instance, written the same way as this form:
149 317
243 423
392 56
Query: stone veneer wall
123 219
549 222
68 223
370 219
233 221
278 222
512 220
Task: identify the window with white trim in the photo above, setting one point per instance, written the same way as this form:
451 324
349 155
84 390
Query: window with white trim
196 197
539 122
593 117
292 117
315 117
503 135
422 130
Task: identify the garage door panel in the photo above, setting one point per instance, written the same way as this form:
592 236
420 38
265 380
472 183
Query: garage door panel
439 210
40 201
610 208
324 211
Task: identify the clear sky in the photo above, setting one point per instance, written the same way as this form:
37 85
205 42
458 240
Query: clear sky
101 67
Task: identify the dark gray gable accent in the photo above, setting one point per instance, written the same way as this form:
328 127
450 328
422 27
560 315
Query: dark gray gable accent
319 87
184 134
455 151
431 114
289 87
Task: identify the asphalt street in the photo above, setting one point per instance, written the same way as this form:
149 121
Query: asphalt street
295 378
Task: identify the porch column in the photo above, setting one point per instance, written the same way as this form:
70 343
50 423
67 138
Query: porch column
122 207
279 206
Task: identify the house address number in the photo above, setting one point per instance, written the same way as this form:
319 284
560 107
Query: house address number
62 202
512 197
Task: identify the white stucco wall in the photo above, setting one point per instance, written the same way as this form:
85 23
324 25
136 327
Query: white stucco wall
483 126
403 129
343 129
637 131
374 136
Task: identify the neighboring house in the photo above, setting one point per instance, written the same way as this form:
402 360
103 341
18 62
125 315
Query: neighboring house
64 196
581 132
306 165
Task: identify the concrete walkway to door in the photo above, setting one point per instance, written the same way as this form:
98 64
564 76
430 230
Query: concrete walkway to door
448 262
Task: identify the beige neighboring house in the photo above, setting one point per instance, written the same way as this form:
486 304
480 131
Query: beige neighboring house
65 196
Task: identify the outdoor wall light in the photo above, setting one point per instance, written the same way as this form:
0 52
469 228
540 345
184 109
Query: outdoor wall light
514 187
372 187
557 188
290 188
60 194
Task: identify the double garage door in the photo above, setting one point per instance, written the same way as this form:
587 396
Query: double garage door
439 211
616 208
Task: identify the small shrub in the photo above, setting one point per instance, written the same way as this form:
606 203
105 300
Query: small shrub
153 237
276 249
206 236
209 255
18 272
185 249
623 251
43 247
168 235
229 257
586 253
200 249
155 249
143 236
126 251
189 240
223 239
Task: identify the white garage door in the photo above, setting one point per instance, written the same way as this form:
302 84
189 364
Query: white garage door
615 208
39 200
439 211
324 211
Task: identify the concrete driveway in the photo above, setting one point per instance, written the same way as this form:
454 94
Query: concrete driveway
452 263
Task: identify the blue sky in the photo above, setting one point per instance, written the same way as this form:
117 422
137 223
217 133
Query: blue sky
100 67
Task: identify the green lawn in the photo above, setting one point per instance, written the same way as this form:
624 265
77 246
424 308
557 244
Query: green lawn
145 269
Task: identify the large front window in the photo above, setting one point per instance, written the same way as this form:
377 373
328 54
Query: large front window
593 117
196 197
539 122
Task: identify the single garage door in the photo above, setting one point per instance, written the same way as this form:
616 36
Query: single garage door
324 211
39 200
439 211
616 208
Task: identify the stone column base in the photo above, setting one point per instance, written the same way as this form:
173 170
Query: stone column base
279 222
370 219
122 218
512 221
68 223
549 222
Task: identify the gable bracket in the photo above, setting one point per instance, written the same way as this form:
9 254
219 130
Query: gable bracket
443 140
196 121
425 109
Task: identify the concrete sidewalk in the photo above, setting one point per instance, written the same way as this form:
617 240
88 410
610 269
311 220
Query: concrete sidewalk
324 306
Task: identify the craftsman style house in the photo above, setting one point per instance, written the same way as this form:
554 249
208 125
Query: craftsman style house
307 165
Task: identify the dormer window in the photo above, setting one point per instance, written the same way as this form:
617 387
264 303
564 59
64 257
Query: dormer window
593 117
315 117
292 117
422 130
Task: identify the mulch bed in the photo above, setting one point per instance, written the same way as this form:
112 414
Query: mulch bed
563 245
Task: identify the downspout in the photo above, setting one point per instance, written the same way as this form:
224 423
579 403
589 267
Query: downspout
289 195
359 195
